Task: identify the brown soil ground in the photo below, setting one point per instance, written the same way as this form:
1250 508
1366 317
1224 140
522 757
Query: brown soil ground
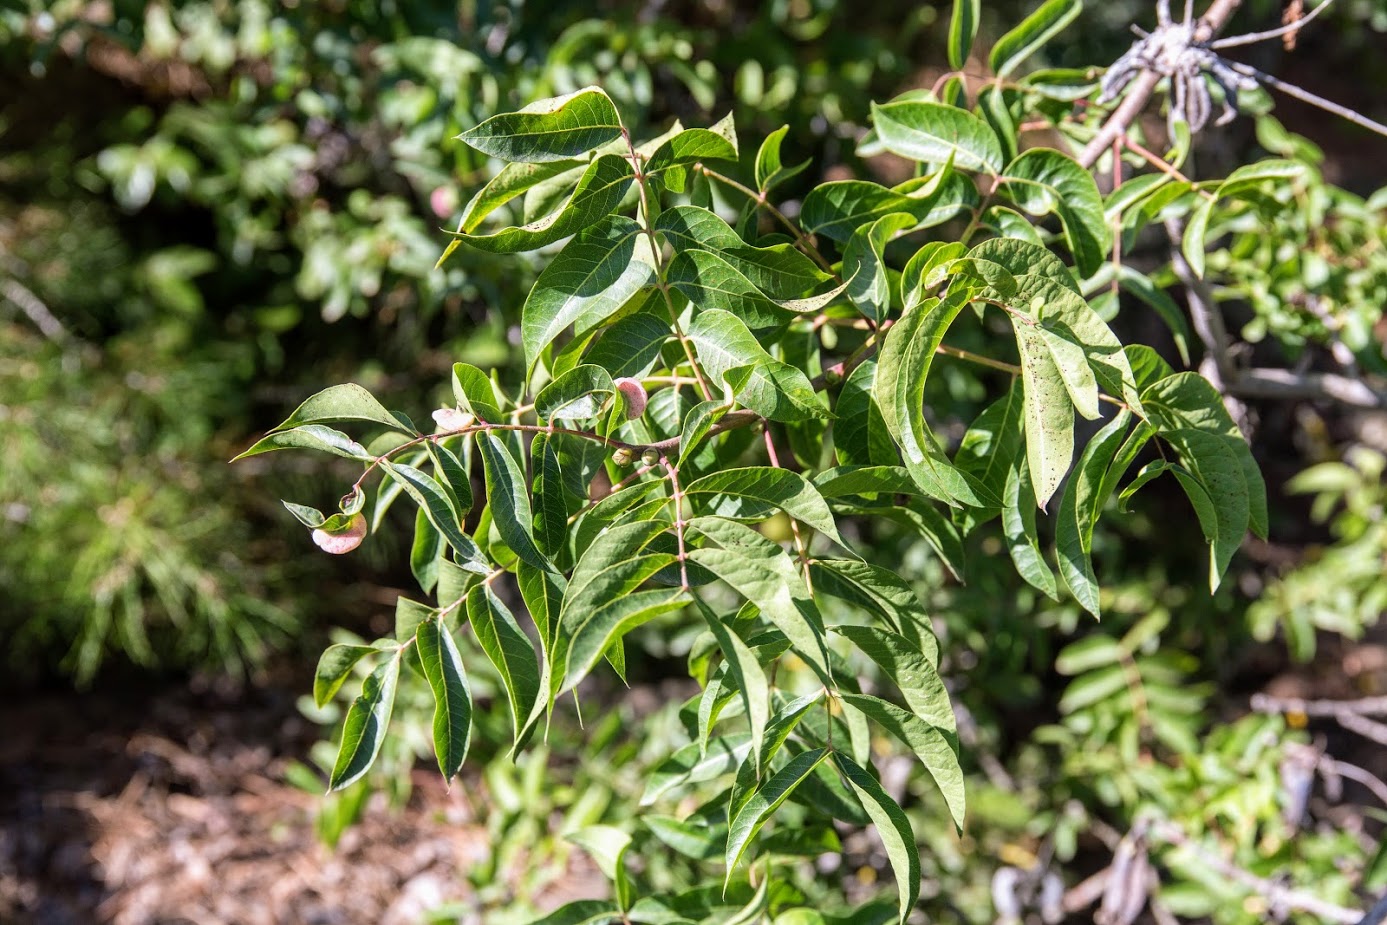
171 807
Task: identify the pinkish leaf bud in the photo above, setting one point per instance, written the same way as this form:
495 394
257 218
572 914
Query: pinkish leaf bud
450 420
634 393
342 541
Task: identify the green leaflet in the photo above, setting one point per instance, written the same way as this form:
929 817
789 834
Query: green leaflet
551 524
1019 530
760 571
1216 469
509 500
543 593
438 505
334 665
864 265
311 437
936 749
691 764
579 393
512 180
902 366
1188 400
767 386
963 27
613 619
912 671
549 129
1079 508
764 802
349 402
452 711
935 133
837 209
607 846
884 592
718 143
582 912
599 191
993 441
1034 31
859 433
892 826
594 275
769 170
696 425
927 268
746 671
631 345
1049 416
1042 181
425 551
754 492
473 391
364 729
511 654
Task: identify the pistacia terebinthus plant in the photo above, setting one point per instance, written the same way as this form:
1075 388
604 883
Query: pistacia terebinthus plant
698 361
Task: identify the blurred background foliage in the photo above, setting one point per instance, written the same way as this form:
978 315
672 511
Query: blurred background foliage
210 209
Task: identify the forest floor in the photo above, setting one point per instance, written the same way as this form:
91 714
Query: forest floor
171 806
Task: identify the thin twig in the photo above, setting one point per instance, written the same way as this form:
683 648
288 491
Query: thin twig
1365 706
1306 96
1354 772
1252 37
1278 896
32 306
1367 728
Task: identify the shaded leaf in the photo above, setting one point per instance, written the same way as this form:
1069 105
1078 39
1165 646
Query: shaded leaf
364 729
452 710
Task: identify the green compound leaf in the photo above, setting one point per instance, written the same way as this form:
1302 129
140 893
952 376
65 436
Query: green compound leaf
893 828
364 729
452 701
549 130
